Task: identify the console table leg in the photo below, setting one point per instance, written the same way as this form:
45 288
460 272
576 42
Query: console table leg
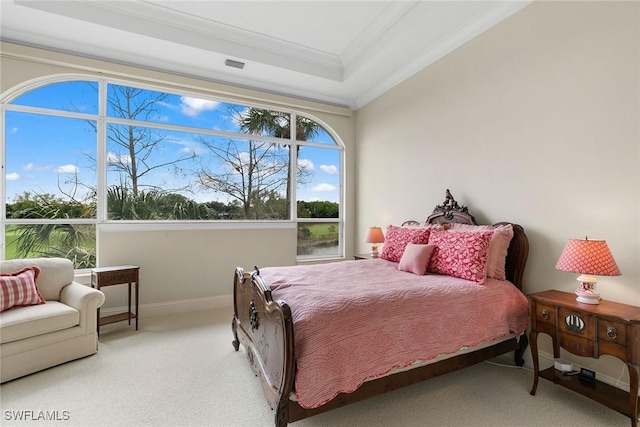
634 374
137 305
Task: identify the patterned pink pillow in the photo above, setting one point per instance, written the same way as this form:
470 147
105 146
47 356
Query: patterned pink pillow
461 254
20 288
397 238
498 247
416 258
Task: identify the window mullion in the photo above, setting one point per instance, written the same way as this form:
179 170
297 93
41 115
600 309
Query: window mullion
101 157
293 160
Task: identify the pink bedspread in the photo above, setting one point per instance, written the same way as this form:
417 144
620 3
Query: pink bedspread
356 320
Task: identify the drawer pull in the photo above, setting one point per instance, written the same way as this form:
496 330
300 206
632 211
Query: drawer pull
612 332
575 323
545 314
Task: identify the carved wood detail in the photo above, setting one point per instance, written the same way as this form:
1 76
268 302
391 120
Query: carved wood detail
450 211
253 316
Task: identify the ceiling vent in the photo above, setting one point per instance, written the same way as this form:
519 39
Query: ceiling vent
234 64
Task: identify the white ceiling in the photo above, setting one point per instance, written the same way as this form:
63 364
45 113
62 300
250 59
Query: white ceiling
340 52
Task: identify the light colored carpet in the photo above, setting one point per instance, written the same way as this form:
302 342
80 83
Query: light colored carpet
183 371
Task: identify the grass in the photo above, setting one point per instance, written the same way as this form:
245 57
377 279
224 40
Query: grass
11 241
323 230
321 235
11 247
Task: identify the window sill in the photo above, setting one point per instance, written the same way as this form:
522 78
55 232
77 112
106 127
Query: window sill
301 261
194 225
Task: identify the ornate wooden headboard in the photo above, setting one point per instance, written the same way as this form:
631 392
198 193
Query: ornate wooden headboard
450 211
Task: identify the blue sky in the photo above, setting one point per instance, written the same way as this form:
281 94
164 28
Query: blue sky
45 154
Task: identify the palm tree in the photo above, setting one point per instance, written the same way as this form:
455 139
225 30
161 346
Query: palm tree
257 121
73 241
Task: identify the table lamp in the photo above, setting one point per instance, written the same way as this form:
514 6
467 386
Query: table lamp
589 258
374 236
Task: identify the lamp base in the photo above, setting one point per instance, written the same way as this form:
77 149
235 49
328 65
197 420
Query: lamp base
587 290
374 251
588 297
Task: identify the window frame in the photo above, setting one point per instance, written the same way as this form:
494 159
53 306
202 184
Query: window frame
103 224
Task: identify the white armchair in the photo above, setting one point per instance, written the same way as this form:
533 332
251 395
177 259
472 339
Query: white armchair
37 337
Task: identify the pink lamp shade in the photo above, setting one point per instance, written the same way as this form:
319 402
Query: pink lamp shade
589 258
374 236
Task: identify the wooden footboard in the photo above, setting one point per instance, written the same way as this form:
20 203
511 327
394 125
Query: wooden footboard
265 329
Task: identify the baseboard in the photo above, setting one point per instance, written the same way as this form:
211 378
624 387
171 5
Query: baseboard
224 302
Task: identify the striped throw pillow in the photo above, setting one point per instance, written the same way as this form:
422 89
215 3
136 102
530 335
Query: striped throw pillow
19 288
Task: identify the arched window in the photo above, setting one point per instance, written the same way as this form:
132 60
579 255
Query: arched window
87 152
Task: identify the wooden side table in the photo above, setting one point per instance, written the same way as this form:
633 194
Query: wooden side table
362 256
589 331
117 275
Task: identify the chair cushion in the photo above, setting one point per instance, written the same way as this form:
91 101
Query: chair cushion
25 322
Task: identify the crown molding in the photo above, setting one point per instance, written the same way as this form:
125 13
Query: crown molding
154 20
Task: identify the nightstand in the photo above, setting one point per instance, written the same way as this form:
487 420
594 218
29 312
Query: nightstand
589 331
362 256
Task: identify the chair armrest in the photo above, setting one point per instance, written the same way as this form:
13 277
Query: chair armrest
84 299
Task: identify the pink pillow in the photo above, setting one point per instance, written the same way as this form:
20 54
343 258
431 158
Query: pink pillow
397 238
415 258
20 288
497 248
461 254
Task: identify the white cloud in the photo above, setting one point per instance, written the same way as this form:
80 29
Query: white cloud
13 130
12 176
330 169
325 188
33 167
113 158
194 149
67 169
305 164
194 106
244 157
190 147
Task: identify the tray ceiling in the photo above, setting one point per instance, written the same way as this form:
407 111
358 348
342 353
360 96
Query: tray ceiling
339 52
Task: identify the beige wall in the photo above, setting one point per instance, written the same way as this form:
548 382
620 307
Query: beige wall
192 264
536 122
180 265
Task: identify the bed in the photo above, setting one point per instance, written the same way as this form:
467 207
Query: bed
309 330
